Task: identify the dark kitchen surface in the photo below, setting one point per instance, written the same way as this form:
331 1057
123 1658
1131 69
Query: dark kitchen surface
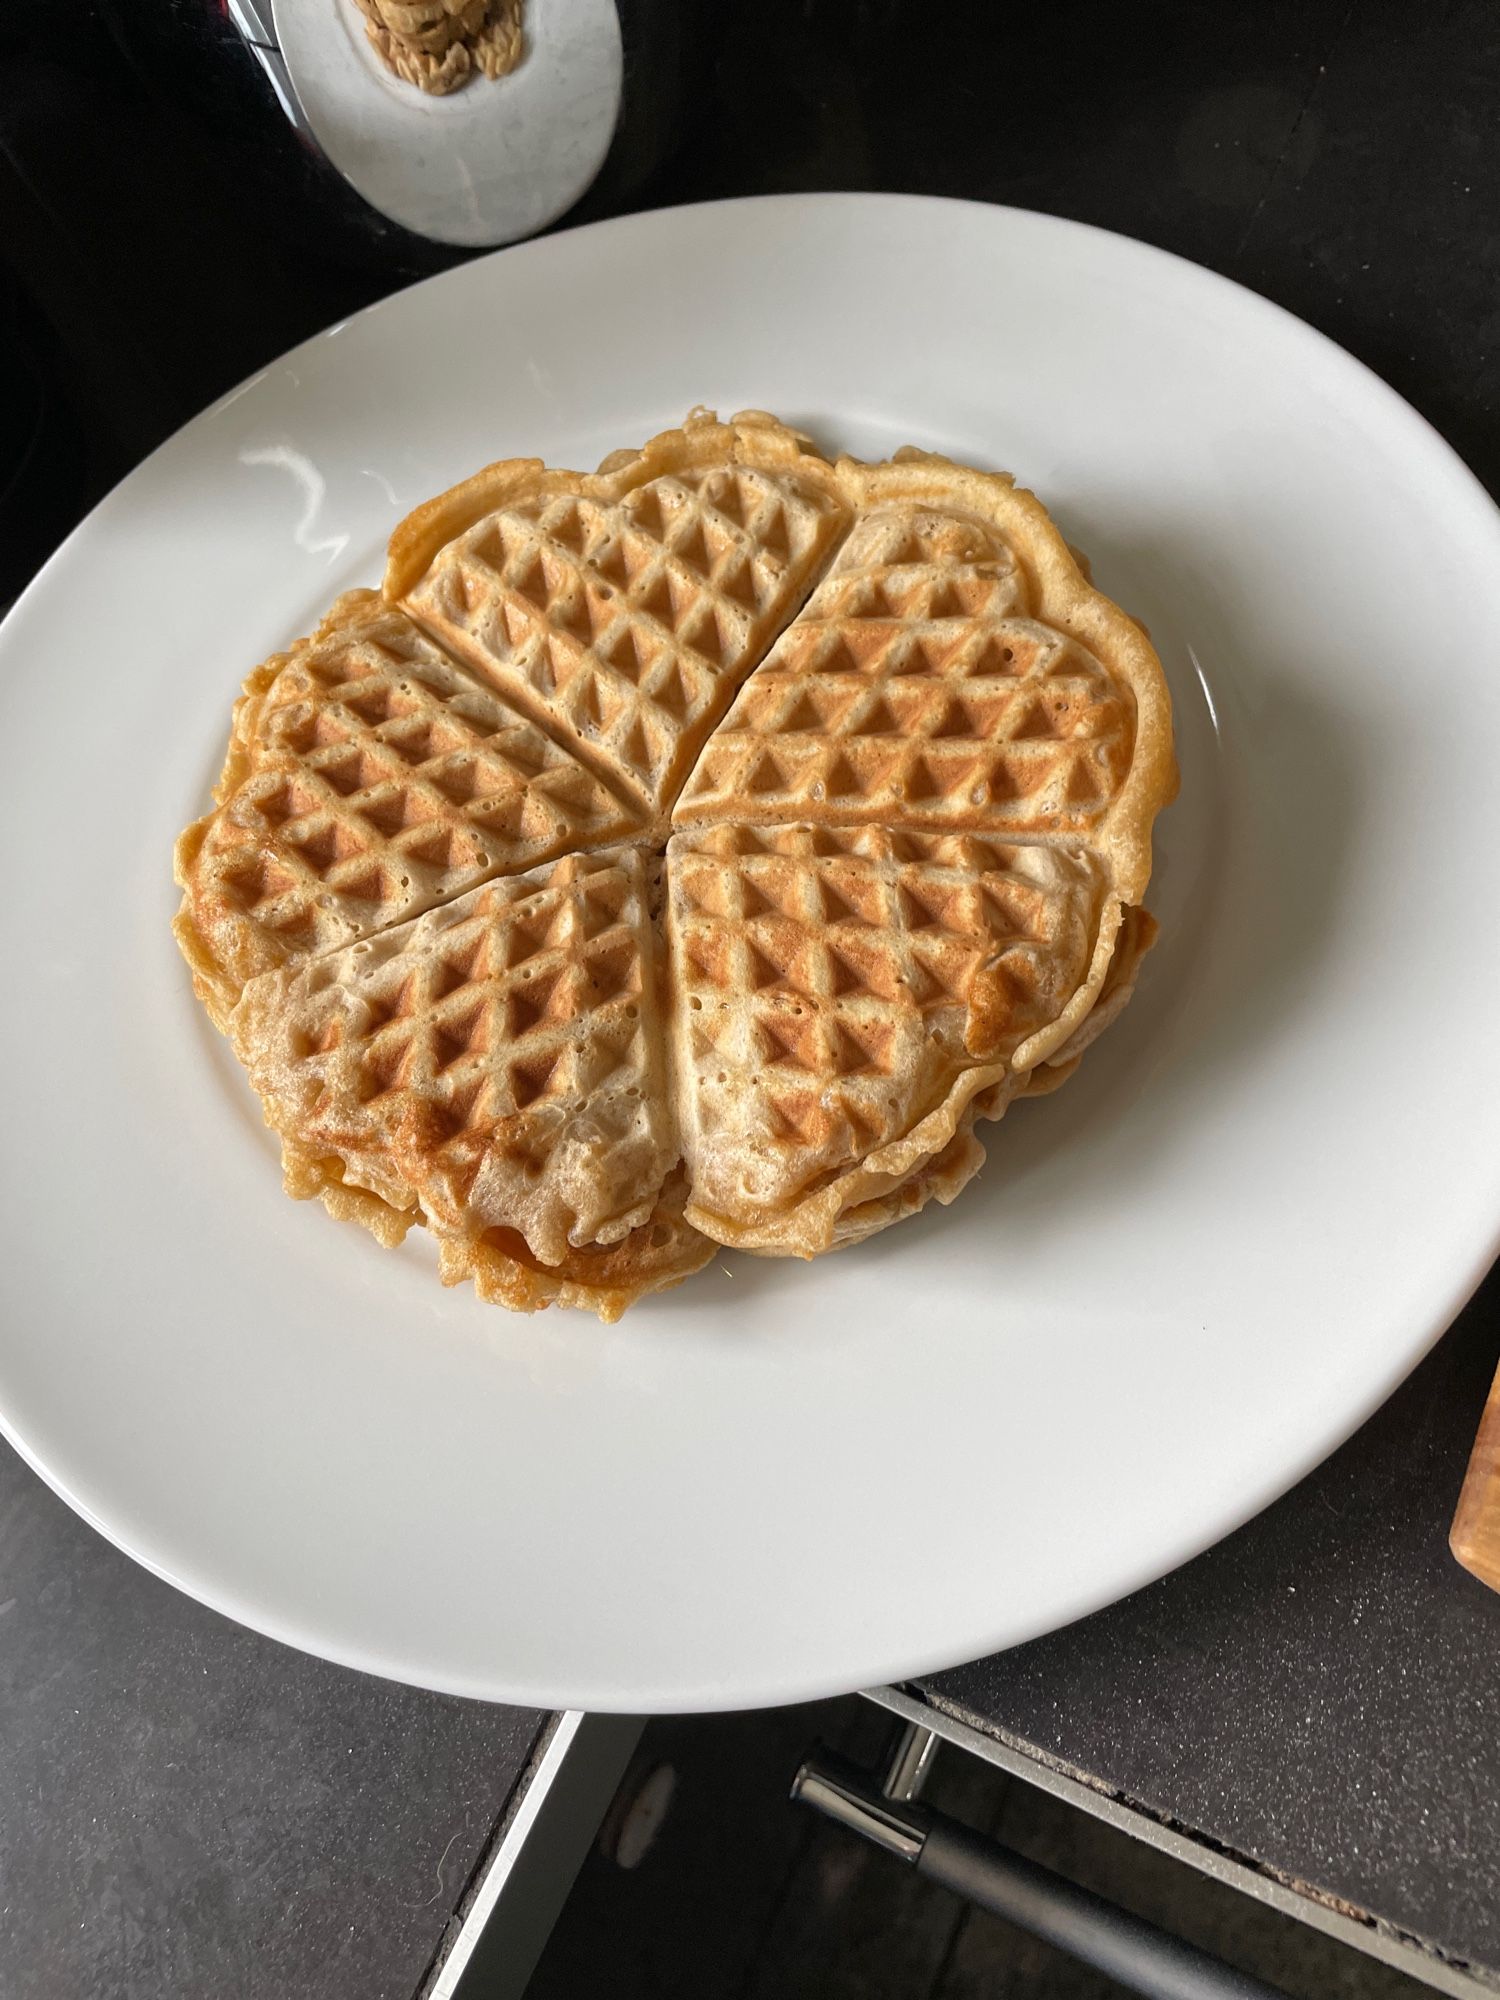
185 1808
1338 157
188 1809
1318 1695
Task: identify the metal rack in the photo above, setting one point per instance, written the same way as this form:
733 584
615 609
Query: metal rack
887 1812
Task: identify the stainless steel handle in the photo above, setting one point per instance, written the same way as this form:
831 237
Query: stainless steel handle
1136 1954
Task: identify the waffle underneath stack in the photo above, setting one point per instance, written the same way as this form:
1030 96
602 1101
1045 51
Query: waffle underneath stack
686 854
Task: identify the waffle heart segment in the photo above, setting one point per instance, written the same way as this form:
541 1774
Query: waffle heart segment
496 1063
622 610
368 779
842 994
954 670
917 682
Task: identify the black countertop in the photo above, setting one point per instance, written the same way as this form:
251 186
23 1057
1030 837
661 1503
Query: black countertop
1319 1695
189 1809
185 1808
1339 156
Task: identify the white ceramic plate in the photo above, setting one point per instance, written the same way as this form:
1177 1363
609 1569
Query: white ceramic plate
1175 1286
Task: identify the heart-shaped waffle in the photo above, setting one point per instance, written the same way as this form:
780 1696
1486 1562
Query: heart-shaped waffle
912 758
622 611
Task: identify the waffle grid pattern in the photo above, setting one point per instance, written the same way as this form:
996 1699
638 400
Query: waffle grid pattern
383 781
461 1052
628 625
830 982
454 939
917 682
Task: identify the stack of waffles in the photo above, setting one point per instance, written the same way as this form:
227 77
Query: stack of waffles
682 855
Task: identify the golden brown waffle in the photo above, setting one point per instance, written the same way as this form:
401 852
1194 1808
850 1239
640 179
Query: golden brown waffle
913 758
368 779
604 1278
941 1179
621 610
497 1063
841 994
945 1177
949 672
1138 932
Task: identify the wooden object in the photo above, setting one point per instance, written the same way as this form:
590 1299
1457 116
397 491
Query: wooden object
1475 1535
